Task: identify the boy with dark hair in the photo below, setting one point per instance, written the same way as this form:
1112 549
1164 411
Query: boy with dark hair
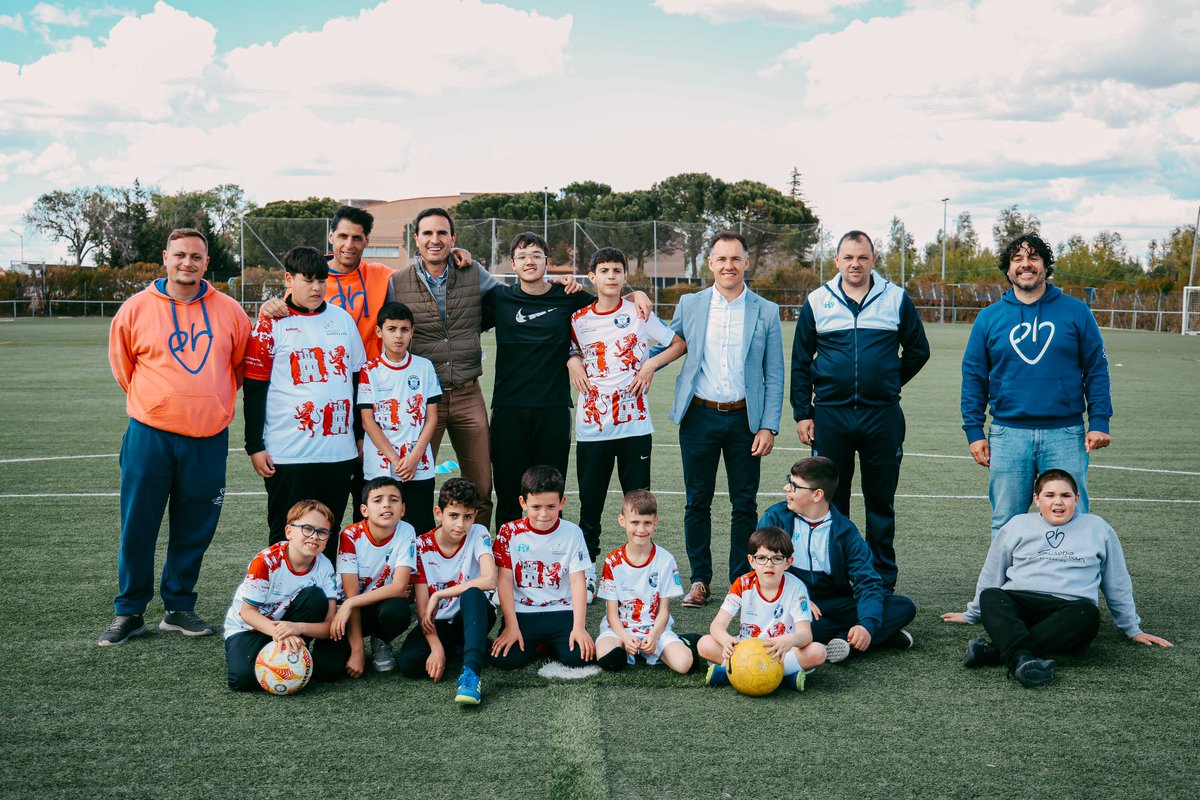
613 376
531 399
639 580
455 567
306 364
1037 592
543 593
398 395
375 558
288 595
856 611
773 606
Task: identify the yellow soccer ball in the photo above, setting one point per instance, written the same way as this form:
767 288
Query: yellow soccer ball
282 672
752 670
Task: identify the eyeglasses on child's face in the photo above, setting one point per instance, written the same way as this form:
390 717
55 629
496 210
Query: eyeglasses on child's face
791 486
775 560
309 532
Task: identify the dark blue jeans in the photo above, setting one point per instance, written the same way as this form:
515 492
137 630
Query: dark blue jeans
163 471
840 614
705 436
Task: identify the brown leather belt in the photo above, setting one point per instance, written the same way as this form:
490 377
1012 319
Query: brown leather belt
466 384
714 405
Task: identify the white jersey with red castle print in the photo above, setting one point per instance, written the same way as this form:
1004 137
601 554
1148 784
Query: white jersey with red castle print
639 589
399 395
613 345
375 564
541 563
310 361
439 570
271 584
768 617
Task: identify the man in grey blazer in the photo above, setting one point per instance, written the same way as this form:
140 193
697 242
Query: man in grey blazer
728 401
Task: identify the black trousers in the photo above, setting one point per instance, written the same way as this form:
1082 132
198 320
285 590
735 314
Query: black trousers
386 620
594 463
466 631
329 657
1037 623
876 434
418 504
551 628
524 438
840 614
291 483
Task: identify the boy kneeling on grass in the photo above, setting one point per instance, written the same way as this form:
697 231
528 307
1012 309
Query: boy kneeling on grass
1036 594
375 559
454 568
288 595
638 582
774 606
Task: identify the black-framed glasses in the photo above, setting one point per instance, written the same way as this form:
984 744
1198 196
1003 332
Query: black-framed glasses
762 561
309 532
795 487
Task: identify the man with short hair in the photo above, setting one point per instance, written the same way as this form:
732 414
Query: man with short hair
1037 358
176 349
728 399
846 379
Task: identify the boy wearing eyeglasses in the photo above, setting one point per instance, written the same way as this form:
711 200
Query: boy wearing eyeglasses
772 604
852 608
375 559
288 595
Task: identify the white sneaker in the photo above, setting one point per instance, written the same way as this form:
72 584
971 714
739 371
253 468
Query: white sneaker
837 651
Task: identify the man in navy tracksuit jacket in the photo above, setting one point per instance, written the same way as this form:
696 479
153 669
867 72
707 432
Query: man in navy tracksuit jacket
834 562
1037 358
846 379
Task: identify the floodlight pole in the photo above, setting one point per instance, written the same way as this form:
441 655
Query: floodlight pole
945 233
10 230
242 257
546 213
1195 238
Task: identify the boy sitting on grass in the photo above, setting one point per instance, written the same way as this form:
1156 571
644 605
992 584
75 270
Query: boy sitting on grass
773 605
852 608
454 568
1036 594
638 581
288 595
542 561
375 558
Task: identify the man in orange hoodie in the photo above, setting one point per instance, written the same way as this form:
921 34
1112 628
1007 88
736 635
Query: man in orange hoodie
176 349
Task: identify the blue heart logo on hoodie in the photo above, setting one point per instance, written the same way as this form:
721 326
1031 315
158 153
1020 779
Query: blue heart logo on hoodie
1055 537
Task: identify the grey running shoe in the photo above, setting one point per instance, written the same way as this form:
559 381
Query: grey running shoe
382 658
189 623
123 628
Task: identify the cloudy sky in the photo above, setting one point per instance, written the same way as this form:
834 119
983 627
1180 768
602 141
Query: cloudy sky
1085 113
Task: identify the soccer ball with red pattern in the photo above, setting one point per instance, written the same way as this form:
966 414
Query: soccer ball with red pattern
282 672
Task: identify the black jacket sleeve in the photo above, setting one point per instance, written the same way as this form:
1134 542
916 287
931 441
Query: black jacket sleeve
254 409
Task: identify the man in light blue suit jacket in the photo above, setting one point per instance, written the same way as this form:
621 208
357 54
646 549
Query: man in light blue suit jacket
728 401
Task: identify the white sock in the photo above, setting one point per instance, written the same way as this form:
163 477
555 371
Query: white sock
791 664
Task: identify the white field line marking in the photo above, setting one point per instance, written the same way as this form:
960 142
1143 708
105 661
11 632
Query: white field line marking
657 492
671 446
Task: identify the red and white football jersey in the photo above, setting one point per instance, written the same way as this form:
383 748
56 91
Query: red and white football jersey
614 344
768 617
541 562
310 361
375 564
399 395
639 589
440 570
271 584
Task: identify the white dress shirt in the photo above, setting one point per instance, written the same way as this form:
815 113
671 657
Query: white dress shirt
722 375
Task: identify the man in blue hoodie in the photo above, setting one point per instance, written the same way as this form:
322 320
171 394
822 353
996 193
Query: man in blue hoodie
1037 358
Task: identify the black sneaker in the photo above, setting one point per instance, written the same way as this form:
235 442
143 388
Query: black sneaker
981 653
1033 673
901 640
186 622
123 628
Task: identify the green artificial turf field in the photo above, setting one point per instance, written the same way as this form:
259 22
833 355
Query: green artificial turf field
154 720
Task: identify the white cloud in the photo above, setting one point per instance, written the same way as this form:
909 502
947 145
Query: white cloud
784 11
13 22
147 66
48 14
404 48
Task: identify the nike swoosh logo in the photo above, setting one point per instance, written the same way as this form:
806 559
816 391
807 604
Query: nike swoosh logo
644 458
523 317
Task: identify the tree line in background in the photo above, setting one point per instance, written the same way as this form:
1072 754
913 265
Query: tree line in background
120 226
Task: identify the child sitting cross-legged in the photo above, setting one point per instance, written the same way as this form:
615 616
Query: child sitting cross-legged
773 605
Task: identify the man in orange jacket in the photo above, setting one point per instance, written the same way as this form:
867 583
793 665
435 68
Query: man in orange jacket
176 349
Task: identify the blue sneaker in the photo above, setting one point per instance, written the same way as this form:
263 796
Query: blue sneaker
717 676
467 691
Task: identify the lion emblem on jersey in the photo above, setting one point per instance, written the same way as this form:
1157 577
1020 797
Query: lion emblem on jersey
304 413
337 358
594 410
627 351
416 408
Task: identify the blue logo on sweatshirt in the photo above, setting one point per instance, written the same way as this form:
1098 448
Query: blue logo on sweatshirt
184 345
